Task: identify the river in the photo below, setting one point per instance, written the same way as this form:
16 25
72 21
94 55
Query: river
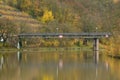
81 65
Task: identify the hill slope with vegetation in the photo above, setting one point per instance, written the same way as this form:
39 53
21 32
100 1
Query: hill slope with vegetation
21 20
73 16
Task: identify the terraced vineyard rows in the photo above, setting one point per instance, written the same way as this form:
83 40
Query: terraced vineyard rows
18 17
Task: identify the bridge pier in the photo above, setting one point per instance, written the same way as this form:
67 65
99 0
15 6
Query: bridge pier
19 44
96 44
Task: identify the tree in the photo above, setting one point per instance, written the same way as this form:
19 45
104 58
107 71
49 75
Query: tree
47 16
7 28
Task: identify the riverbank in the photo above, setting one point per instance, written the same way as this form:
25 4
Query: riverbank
114 56
8 49
59 49
48 49
88 47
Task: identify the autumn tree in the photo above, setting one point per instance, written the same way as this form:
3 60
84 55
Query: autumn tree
47 16
7 29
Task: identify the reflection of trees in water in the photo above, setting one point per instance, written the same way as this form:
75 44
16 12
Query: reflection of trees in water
31 59
114 66
57 66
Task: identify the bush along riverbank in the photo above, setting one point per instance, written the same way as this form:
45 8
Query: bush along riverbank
33 47
112 49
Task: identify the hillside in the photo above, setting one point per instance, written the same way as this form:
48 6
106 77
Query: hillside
20 19
73 15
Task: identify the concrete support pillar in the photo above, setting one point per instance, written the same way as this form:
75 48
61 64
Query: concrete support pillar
96 44
19 44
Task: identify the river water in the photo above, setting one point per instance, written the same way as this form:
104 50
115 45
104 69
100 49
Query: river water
57 66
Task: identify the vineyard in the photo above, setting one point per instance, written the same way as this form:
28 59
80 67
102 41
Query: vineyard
19 18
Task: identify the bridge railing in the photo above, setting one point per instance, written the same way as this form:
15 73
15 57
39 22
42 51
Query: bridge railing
65 35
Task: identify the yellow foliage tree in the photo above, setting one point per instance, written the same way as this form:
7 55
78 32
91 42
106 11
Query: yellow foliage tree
47 16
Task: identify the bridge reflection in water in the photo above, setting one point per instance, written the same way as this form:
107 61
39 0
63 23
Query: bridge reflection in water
57 66
1 61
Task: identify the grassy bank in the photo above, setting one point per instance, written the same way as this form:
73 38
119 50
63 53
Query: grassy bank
8 49
47 49
88 47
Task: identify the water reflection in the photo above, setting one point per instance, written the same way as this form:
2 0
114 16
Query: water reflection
1 61
57 66
96 56
60 64
19 56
